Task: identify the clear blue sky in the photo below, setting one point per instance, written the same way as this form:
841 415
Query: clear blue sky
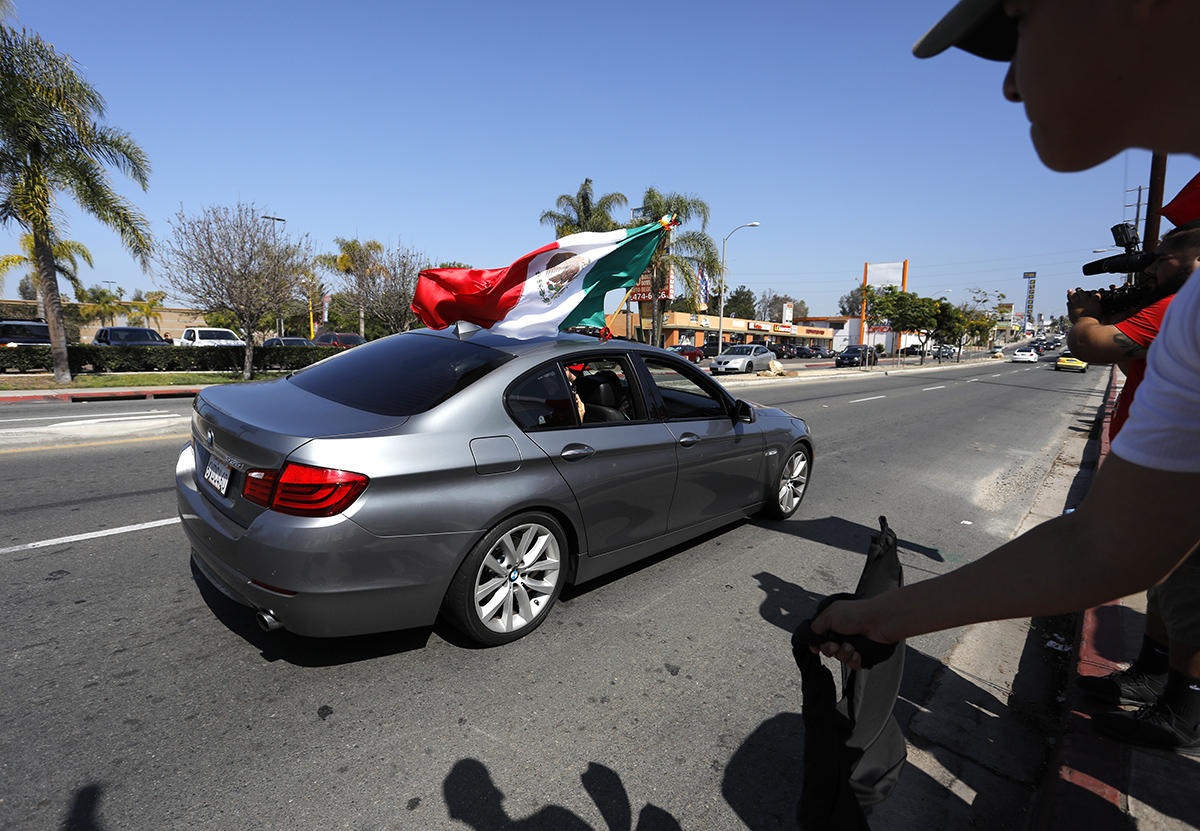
449 127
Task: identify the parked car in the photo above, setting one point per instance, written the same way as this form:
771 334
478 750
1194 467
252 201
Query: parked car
208 336
1025 354
711 349
912 350
1068 361
24 333
744 357
128 336
783 351
688 352
342 340
288 341
423 473
823 352
856 355
805 352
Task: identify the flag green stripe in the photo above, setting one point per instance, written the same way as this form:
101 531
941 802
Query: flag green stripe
618 269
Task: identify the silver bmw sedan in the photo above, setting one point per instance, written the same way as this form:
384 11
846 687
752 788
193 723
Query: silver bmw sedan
471 476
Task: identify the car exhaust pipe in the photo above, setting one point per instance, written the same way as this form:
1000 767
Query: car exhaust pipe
267 622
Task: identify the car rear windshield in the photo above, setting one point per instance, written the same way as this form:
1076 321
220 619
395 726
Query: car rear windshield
216 334
24 330
401 375
132 335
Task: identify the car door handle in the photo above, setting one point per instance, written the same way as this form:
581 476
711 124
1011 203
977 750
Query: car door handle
688 439
576 452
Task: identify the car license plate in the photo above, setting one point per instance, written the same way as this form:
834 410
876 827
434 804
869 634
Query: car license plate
216 473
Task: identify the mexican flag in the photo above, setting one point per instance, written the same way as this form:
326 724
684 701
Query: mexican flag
558 286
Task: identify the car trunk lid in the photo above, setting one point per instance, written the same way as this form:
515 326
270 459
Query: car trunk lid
241 427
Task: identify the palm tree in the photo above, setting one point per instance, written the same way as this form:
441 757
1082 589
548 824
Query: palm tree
51 142
682 251
104 305
66 253
147 309
356 262
583 212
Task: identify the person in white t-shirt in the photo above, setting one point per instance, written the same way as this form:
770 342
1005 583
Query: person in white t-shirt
1070 60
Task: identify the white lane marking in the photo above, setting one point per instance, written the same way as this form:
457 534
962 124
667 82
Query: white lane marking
91 535
92 422
972 380
997 375
55 418
872 398
927 389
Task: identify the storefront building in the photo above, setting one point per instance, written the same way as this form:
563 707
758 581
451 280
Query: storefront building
701 328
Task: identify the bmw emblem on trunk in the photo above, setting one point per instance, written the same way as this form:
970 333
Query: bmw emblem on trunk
210 438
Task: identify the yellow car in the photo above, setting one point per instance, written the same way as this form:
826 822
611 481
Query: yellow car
1068 361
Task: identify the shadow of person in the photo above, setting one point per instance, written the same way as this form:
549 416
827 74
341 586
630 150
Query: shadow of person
837 532
785 604
85 810
471 797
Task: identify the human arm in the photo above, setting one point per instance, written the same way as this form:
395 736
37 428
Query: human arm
1135 525
1093 341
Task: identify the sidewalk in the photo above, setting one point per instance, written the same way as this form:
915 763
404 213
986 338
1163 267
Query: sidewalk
100 394
1096 783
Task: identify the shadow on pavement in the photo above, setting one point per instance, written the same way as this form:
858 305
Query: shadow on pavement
85 809
837 532
472 798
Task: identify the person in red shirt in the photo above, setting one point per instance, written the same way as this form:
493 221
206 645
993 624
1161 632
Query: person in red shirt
1125 343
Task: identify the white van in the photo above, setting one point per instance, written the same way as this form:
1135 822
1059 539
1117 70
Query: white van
204 336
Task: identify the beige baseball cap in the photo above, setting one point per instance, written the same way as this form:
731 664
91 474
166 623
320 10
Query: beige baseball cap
977 26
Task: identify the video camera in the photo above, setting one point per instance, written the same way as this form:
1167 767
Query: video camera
1116 300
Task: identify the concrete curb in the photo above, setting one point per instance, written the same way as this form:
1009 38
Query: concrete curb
103 394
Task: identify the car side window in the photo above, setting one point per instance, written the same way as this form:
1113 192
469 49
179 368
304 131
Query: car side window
684 396
603 388
541 400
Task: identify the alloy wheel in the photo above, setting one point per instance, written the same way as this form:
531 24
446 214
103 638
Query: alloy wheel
793 480
516 581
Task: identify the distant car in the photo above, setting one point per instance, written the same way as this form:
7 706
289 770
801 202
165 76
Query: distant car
805 352
288 342
128 336
1068 361
997 352
208 336
913 350
823 352
24 333
711 349
685 350
1025 354
422 473
745 357
856 355
342 340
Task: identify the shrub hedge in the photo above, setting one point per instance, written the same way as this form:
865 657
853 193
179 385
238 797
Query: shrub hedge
164 358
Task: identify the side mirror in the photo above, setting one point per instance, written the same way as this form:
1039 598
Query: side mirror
743 412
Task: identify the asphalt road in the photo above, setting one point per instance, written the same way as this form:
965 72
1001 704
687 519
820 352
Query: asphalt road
134 699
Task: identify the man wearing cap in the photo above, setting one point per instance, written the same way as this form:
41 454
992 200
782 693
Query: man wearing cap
1071 63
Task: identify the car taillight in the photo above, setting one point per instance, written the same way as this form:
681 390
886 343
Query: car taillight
303 490
258 487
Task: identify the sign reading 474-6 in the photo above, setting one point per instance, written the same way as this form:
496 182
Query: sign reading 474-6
1031 277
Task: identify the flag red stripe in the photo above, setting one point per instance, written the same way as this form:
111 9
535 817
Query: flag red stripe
1186 205
481 296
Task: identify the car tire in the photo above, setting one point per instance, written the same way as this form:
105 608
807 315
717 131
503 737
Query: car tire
749 367
786 490
496 597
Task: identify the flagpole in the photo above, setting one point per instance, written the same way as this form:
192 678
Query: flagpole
624 300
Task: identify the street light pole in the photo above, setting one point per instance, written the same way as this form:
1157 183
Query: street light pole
279 316
721 309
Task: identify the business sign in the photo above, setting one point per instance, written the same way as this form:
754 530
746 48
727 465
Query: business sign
325 308
1030 275
810 331
884 274
782 328
788 312
758 326
643 294
879 330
